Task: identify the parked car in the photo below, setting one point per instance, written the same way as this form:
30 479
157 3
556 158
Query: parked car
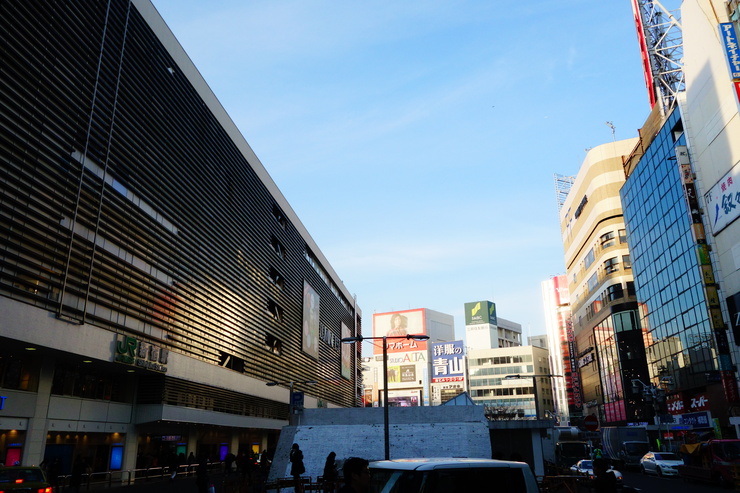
585 467
442 475
21 478
660 463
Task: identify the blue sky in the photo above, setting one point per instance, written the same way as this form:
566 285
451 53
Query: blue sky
417 140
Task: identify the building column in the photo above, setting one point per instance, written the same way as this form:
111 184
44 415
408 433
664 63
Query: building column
131 452
234 446
35 446
193 442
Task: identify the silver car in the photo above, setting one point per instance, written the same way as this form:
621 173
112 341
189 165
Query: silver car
585 467
451 475
660 463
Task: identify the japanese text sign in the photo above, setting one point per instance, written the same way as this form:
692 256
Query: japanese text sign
723 200
448 362
729 41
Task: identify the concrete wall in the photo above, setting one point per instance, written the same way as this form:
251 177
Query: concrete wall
440 431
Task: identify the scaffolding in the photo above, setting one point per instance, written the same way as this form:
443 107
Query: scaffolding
661 45
562 188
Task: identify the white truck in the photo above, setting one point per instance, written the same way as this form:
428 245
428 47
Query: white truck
625 445
563 447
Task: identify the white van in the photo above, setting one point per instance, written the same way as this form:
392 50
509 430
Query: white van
451 476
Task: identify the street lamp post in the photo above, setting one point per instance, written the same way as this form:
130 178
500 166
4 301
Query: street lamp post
536 412
352 340
534 380
552 416
290 386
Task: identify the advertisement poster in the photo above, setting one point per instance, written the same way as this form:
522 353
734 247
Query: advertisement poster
404 398
346 353
395 326
723 200
310 321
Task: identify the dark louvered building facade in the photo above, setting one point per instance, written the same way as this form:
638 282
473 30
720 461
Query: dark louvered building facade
153 278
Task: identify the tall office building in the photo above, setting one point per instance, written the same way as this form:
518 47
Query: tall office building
680 208
526 391
561 344
153 279
605 322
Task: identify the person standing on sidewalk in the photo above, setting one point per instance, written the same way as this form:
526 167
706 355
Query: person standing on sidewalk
296 467
78 469
202 480
330 473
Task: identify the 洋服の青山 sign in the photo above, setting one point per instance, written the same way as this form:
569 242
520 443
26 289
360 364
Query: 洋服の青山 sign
132 351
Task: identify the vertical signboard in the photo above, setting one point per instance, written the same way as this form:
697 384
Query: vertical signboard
644 53
732 50
310 321
562 294
733 306
575 377
448 362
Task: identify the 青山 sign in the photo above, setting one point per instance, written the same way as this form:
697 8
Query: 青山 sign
448 362
131 351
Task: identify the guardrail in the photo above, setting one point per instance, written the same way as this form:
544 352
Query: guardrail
112 479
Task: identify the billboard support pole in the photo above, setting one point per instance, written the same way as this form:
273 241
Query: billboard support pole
386 426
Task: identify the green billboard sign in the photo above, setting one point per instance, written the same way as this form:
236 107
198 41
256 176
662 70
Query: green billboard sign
480 312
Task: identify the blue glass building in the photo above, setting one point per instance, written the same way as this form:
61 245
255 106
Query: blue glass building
683 351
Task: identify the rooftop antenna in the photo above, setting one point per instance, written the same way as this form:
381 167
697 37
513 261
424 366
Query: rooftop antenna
614 129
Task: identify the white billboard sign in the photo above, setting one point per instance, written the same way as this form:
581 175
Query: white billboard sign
723 200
